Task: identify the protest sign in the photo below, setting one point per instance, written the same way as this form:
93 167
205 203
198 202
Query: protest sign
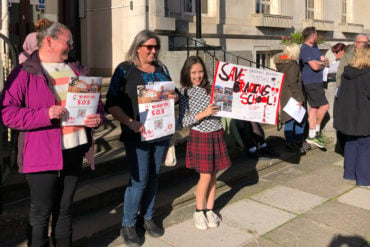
157 111
82 99
247 93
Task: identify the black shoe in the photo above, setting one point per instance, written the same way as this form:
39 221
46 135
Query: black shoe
153 229
268 153
130 236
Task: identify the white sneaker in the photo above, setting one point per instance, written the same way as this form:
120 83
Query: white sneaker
213 219
200 221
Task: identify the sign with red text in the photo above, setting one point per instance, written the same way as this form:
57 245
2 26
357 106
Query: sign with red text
157 111
247 93
82 99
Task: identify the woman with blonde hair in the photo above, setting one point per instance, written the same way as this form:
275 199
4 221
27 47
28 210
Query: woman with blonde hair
141 68
292 88
352 117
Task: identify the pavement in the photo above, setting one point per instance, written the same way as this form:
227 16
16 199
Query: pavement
306 204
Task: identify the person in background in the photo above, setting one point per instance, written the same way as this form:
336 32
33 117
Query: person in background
141 67
30 43
360 41
287 63
254 140
206 150
50 155
312 63
352 117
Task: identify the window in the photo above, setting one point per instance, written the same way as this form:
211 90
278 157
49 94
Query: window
344 11
190 6
263 6
310 9
263 59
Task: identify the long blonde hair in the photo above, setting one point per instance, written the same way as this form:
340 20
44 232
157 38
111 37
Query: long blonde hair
140 39
361 59
292 51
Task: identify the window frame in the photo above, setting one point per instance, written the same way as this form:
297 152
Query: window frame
309 11
260 6
193 5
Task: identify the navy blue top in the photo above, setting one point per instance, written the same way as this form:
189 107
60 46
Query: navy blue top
307 54
123 92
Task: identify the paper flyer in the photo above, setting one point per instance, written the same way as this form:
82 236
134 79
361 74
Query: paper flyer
157 111
82 99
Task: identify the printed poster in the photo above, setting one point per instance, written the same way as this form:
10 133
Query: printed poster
82 99
157 111
247 93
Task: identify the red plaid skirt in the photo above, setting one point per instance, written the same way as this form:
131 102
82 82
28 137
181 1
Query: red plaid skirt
206 151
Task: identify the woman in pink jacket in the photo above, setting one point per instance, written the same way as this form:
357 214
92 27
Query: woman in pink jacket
50 155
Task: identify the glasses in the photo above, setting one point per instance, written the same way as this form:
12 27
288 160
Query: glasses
362 42
151 47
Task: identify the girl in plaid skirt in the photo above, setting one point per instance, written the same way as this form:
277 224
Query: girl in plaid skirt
206 148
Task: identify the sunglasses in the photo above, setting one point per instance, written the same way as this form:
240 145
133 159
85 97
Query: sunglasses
151 47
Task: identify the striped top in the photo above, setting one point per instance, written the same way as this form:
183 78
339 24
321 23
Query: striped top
72 136
196 102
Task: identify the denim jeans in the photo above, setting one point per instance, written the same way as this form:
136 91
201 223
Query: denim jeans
294 131
145 161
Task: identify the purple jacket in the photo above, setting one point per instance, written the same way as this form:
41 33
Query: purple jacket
24 105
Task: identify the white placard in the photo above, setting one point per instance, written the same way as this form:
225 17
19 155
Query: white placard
157 112
82 99
247 93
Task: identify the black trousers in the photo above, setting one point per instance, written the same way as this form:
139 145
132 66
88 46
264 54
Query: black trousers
52 193
251 133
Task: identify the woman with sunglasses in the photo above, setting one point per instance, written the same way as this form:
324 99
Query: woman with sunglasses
50 155
141 67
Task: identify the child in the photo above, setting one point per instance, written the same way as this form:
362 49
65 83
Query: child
206 148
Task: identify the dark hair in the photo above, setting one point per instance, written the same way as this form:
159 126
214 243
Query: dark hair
307 32
338 47
185 80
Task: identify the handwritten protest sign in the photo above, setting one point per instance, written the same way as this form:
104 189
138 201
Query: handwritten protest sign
82 99
247 93
157 111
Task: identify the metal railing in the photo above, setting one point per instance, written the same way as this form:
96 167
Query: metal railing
211 54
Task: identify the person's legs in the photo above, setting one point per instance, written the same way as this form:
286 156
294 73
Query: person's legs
158 151
299 131
312 117
66 188
320 114
288 131
201 194
42 187
362 164
210 199
350 158
202 190
138 155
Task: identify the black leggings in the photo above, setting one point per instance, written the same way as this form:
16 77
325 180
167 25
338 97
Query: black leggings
52 193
